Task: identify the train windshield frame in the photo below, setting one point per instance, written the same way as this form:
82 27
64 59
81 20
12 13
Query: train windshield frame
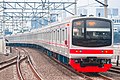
91 32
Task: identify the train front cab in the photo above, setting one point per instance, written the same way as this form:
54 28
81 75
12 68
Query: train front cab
91 37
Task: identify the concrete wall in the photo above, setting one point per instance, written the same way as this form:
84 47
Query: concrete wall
2 46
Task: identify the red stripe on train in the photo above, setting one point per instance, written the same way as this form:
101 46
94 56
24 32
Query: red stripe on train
86 51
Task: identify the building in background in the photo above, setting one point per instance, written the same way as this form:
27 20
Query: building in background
116 22
112 12
82 11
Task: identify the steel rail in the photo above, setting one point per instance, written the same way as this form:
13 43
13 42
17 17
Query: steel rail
34 71
105 77
69 68
9 60
20 76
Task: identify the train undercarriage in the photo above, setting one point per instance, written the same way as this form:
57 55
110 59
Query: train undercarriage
89 64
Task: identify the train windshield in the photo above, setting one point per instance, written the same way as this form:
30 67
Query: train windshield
91 32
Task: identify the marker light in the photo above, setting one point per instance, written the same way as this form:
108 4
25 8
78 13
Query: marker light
76 50
106 51
68 24
80 51
102 51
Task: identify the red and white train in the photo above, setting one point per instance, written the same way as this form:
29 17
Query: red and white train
84 43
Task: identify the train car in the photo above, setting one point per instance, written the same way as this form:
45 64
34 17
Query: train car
84 43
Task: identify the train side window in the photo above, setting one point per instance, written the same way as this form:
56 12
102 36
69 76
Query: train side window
39 36
47 36
51 36
43 35
65 33
62 35
54 36
58 36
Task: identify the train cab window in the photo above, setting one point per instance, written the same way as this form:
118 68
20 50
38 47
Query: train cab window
91 32
97 29
78 29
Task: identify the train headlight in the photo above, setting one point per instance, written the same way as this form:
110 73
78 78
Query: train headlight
76 61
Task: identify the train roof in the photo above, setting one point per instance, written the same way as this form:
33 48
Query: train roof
66 20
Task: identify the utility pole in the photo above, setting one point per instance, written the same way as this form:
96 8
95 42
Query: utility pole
105 7
75 7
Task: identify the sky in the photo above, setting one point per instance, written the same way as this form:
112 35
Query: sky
81 3
111 3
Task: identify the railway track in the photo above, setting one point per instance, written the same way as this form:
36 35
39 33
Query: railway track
20 76
33 70
7 63
69 68
105 77
115 70
83 75
98 76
